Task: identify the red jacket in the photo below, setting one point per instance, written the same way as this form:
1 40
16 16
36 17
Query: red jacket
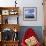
29 33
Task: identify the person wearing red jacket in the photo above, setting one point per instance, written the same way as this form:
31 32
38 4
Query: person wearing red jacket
30 38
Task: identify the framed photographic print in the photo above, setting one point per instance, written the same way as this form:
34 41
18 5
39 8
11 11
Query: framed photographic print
30 13
5 12
12 12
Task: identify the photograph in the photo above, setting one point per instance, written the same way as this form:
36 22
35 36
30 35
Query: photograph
30 13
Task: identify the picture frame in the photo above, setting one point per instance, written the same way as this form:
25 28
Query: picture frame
5 12
13 12
30 13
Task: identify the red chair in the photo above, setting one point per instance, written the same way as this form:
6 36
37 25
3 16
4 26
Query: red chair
29 33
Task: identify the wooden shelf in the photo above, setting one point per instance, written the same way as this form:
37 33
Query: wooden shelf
9 26
9 9
5 12
3 8
9 43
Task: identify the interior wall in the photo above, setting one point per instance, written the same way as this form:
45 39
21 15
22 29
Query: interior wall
40 17
44 12
7 3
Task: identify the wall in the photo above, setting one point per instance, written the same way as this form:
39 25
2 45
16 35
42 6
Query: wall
27 3
7 3
44 12
32 3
